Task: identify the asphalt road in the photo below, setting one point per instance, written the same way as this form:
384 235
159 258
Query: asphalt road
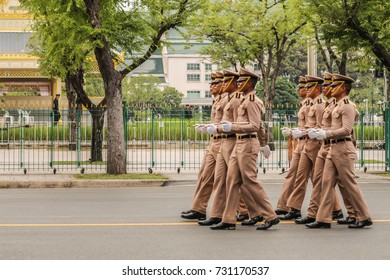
144 224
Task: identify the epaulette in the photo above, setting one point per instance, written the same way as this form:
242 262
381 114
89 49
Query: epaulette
213 102
319 101
346 101
251 97
238 94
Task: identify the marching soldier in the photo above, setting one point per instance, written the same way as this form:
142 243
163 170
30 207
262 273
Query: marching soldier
243 160
310 149
320 161
228 141
206 173
289 183
341 158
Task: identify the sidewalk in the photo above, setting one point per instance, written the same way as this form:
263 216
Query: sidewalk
42 180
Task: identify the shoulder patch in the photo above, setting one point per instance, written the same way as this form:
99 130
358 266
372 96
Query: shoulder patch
252 97
346 101
238 95
319 101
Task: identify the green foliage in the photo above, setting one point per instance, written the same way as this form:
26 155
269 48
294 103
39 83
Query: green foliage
286 93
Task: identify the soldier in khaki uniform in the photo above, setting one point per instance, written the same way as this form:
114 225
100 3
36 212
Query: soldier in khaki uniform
206 173
228 141
341 158
289 183
320 161
243 160
310 149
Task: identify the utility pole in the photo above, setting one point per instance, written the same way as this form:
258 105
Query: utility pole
312 60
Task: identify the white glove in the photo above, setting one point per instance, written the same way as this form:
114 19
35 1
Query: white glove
211 128
198 128
203 129
320 134
266 151
297 133
226 126
312 133
286 131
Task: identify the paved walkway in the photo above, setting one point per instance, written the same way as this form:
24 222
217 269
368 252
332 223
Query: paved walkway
66 180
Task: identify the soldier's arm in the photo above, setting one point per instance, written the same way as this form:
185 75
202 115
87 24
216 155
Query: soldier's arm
348 119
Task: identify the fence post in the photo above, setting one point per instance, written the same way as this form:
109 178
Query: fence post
51 120
279 139
20 123
387 136
152 138
124 102
361 136
78 138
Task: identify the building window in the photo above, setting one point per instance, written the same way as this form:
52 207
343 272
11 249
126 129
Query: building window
207 77
256 67
208 66
207 93
193 78
193 94
193 66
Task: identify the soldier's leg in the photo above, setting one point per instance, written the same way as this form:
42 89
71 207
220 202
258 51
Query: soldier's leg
324 214
345 167
288 184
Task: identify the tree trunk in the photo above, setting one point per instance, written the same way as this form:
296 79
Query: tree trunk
116 152
97 134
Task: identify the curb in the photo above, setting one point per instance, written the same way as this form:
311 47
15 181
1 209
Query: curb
81 184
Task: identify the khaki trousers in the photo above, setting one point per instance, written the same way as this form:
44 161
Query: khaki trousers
304 172
205 182
340 162
243 175
219 192
315 198
289 183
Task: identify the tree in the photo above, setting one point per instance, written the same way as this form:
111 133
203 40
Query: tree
142 90
247 32
65 52
360 23
109 28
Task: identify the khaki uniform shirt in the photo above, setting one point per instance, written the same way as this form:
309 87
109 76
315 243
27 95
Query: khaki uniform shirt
343 119
249 112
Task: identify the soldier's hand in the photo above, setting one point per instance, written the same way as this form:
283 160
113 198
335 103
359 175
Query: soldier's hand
266 151
297 133
226 126
211 128
286 131
320 134
312 133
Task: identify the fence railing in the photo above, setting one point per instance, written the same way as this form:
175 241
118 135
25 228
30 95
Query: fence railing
158 139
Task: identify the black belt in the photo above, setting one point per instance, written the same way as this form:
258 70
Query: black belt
246 136
224 136
335 141
327 141
302 138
